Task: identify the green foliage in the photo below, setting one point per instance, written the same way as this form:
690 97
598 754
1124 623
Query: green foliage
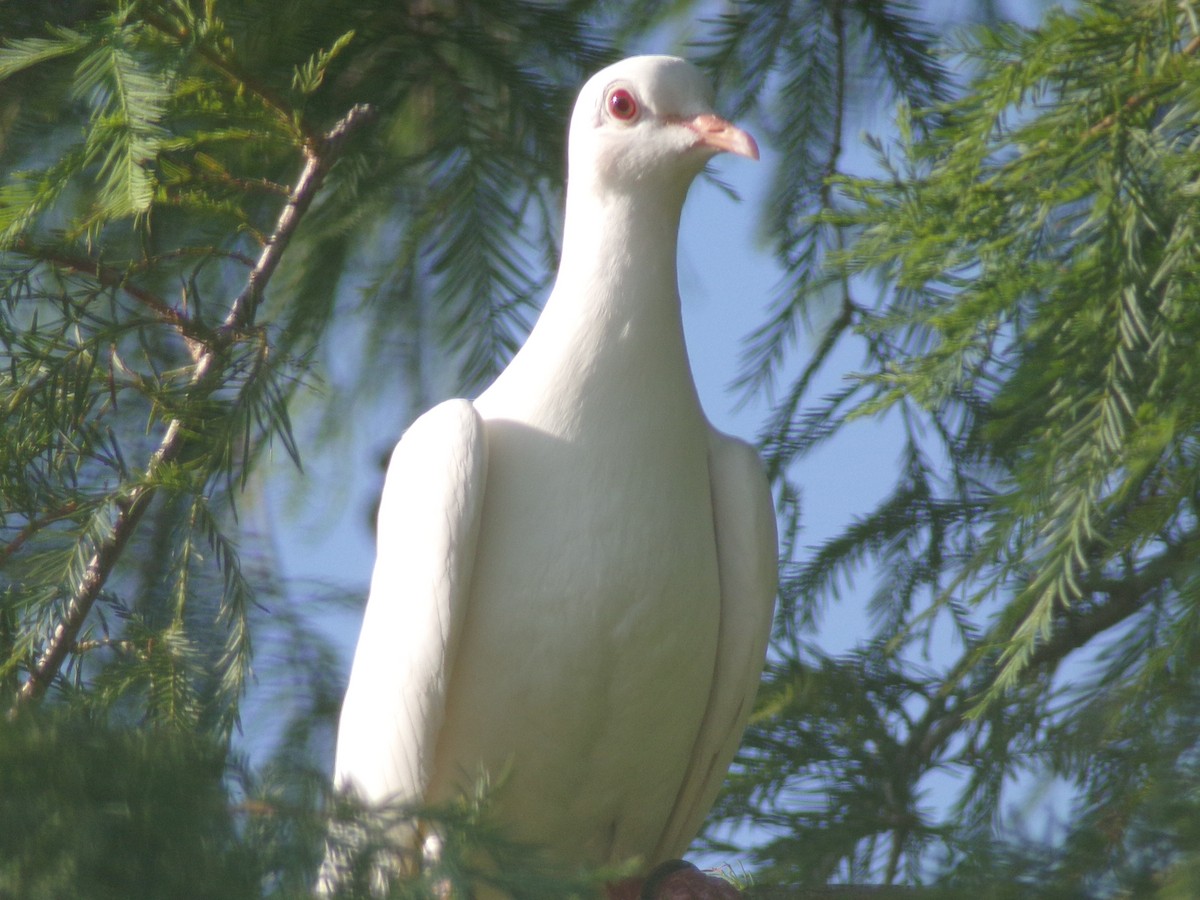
139 230
92 811
198 196
1022 277
473 854
311 75
186 187
89 812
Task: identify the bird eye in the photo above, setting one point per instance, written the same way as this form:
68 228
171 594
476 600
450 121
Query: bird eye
622 105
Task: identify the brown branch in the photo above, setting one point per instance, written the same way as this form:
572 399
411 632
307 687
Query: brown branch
1126 597
1072 630
32 527
223 178
851 892
108 277
100 566
1137 99
319 156
120 646
186 252
249 185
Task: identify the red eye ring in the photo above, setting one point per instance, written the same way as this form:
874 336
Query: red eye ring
622 105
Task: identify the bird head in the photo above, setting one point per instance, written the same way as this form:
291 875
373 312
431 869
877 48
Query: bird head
648 120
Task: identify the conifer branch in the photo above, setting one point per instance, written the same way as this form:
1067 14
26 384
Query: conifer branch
270 101
184 252
1125 597
1073 630
848 892
1137 99
318 157
103 560
108 277
32 527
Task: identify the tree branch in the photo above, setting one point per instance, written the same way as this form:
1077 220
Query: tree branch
1126 597
1136 100
1072 630
185 252
849 892
318 158
32 527
113 278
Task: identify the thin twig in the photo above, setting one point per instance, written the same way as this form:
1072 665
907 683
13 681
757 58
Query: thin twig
249 185
186 252
121 646
108 277
1136 99
1126 597
318 157
33 526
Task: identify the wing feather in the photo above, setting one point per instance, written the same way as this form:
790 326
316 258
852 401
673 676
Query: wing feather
427 530
747 559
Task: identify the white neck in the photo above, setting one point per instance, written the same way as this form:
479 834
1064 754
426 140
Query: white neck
618 257
612 324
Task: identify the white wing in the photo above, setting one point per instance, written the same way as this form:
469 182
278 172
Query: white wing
748 561
428 525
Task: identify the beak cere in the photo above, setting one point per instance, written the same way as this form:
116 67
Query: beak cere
715 132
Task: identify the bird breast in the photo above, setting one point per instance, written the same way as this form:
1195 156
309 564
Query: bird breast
596 594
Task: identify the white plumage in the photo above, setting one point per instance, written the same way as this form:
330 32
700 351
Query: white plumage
576 573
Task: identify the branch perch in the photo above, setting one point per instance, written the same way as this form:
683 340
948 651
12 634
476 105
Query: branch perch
319 156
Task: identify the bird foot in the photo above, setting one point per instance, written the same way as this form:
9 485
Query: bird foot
675 879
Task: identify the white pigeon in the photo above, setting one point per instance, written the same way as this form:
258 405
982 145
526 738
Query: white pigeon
576 572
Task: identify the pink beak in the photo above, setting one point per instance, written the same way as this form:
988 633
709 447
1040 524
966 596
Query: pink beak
715 132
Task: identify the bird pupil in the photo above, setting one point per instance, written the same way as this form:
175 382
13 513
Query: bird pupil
622 105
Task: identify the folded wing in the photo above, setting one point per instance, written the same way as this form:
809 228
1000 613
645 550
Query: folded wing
747 558
428 526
